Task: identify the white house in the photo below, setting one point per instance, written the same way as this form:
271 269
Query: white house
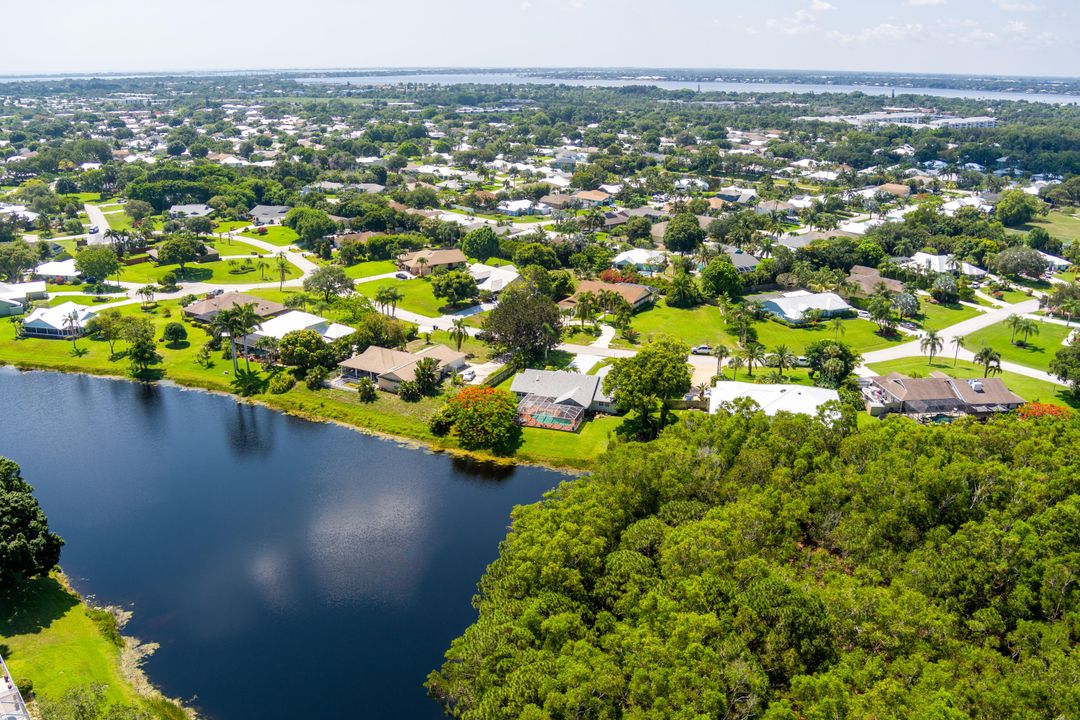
61 321
1058 264
64 269
772 399
493 279
793 306
926 262
523 207
281 325
22 293
640 259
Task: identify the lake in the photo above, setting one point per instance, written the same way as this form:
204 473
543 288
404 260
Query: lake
287 568
494 78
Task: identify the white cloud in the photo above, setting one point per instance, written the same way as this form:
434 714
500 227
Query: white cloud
925 3
1016 5
883 32
525 4
820 5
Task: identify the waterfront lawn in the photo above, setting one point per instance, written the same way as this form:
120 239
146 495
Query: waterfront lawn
1038 352
50 640
935 316
1031 389
275 235
370 268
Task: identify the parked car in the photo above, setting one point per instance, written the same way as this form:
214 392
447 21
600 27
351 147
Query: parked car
401 276
93 230
802 361
863 314
468 375
701 350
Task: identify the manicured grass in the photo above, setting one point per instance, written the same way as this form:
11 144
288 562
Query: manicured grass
275 235
861 335
1030 389
229 225
935 316
694 326
52 641
418 297
476 350
229 247
217 272
1037 353
84 197
1068 277
84 299
1058 224
370 268
588 443
573 334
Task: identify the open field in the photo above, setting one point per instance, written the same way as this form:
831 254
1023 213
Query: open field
1030 389
1058 224
370 268
418 297
218 271
934 316
1038 352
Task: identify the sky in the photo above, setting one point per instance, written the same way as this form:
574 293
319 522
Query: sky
1002 37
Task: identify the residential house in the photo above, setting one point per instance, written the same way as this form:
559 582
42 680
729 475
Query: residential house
388 368
61 270
560 201
895 189
279 326
868 279
637 295
938 394
15 297
268 214
190 211
206 310
743 261
614 218
63 321
640 260
559 400
493 279
423 262
518 208
738 195
593 198
925 262
772 399
793 306
768 207
360 237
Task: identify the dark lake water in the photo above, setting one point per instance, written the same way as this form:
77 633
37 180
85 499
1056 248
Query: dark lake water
288 569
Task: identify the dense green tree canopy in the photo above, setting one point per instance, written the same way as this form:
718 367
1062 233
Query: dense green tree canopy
745 568
27 546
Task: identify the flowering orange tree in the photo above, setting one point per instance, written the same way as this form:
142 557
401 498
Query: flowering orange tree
484 417
1039 410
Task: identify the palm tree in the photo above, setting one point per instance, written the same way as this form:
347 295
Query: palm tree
246 320
1025 328
586 307
932 343
73 326
421 263
720 352
458 332
958 342
701 389
753 353
146 292
388 297
838 327
1013 321
784 358
283 269
261 265
990 359
735 364
225 324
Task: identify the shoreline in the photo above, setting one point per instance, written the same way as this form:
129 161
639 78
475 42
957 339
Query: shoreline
311 416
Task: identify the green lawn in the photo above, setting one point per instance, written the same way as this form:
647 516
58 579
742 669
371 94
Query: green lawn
1030 389
1038 352
84 197
418 297
217 272
225 226
50 639
1058 224
934 316
118 220
694 326
477 351
275 235
83 299
862 335
229 247
1067 277
370 268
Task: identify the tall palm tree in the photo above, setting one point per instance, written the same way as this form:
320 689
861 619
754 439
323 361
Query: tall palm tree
1013 323
283 269
421 262
1025 328
586 307
958 342
753 353
784 359
246 320
720 352
458 332
225 324
990 359
838 327
73 327
931 343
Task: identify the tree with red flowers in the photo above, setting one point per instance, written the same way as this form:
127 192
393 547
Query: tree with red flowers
484 417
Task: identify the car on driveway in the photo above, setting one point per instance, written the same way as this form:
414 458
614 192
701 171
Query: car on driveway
93 229
701 350
468 375
402 276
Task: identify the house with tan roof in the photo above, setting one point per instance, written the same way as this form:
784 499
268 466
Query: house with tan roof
423 262
938 395
206 310
592 198
637 295
388 368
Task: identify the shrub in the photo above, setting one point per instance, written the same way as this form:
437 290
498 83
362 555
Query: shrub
316 377
281 383
442 421
410 391
366 390
175 332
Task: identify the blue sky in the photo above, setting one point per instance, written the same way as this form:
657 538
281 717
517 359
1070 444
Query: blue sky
964 36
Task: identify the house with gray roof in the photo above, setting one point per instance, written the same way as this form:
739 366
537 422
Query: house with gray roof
558 400
268 214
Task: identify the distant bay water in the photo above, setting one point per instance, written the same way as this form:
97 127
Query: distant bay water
477 78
